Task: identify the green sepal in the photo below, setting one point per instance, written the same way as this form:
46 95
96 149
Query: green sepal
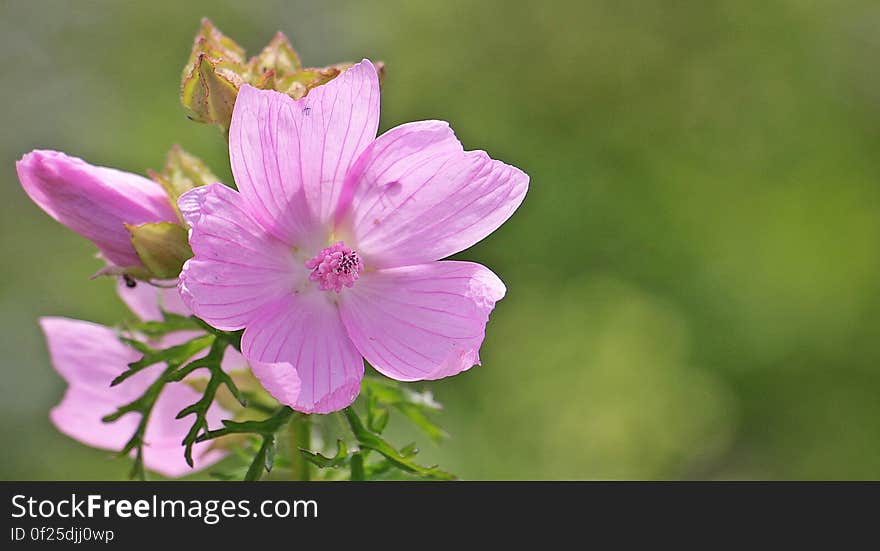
163 247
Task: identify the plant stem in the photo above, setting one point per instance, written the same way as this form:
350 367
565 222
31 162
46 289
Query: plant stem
299 434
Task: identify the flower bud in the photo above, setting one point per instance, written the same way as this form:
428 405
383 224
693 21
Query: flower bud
212 76
163 247
278 56
208 93
217 68
95 202
182 172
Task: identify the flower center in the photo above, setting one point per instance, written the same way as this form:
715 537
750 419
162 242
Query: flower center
335 266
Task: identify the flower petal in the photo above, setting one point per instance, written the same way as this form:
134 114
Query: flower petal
238 267
80 412
94 201
415 195
79 417
148 301
90 355
279 379
421 322
163 451
305 331
289 157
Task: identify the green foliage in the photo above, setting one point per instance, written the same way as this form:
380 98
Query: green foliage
369 440
383 394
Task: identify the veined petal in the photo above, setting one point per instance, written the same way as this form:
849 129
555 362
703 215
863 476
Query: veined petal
94 201
238 266
305 331
290 157
415 195
421 322
279 379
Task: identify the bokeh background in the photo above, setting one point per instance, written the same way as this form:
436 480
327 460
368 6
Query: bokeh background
694 277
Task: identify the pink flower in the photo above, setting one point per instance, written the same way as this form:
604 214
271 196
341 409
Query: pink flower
329 251
94 201
89 356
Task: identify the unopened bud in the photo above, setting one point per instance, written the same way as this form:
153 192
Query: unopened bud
163 247
182 172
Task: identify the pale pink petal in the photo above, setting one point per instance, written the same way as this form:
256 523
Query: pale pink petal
80 412
305 332
163 451
148 301
169 461
414 196
90 355
94 201
279 379
233 361
79 417
421 322
238 266
290 157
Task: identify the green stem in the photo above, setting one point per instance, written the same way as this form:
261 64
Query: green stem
299 434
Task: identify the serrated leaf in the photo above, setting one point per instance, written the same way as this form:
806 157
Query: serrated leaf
413 405
258 465
270 456
323 462
415 414
171 324
372 441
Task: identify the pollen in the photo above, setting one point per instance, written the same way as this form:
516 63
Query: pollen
335 267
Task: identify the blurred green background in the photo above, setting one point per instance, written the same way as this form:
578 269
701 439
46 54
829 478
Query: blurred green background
694 277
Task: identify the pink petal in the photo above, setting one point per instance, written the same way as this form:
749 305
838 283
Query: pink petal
305 331
79 417
89 357
279 379
94 201
238 267
163 451
233 361
414 196
421 322
289 157
148 301
169 461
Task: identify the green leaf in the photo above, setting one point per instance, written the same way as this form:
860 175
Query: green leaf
377 416
419 419
357 466
173 356
255 471
370 440
171 324
413 405
323 462
265 427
